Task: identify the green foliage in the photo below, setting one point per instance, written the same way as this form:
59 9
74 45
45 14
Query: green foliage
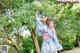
12 50
67 26
40 40
28 45
65 16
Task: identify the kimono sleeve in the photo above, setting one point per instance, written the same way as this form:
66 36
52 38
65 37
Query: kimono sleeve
38 27
53 35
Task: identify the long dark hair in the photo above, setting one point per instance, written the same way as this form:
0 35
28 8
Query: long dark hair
48 22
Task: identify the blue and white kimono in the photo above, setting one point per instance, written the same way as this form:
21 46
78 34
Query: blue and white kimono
51 45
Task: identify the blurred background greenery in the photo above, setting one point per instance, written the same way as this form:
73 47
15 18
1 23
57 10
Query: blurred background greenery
15 14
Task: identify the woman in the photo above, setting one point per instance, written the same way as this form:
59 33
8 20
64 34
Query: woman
50 42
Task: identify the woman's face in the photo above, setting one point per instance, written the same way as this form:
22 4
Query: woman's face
51 24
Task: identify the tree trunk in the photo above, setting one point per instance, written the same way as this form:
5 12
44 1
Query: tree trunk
12 44
78 40
35 41
79 43
18 49
0 11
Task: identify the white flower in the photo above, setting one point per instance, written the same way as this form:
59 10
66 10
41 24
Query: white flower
1 39
54 5
37 3
13 19
25 33
9 13
50 6
15 30
22 29
65 22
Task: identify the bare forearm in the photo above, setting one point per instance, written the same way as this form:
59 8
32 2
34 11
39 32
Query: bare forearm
36 16
54 31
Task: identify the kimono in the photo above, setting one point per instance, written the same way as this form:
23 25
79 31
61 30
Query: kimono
50 45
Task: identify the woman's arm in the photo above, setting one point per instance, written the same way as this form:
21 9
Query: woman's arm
36 16
53 29
38 24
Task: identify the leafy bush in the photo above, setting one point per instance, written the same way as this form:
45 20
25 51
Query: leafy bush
27 45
